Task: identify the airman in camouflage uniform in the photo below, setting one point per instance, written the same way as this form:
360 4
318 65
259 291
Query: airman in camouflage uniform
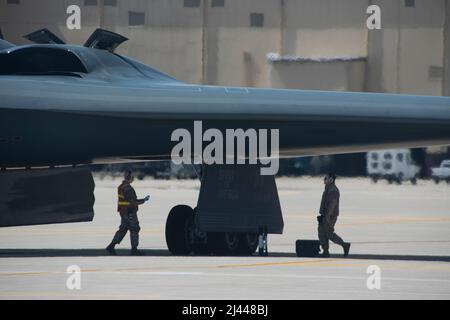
127 207
329 212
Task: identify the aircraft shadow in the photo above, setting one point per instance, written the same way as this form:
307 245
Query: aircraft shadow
50 253
45 253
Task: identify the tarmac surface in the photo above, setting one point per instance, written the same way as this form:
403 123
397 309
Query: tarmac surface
403 230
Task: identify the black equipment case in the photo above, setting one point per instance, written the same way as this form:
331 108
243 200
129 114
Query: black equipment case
307 248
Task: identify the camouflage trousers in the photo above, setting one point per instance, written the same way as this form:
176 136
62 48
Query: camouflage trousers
129 222
326 232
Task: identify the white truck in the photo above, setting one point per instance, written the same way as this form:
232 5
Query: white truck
441 173
392 165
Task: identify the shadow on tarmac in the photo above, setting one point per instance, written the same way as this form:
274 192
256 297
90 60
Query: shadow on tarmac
46 253
49 253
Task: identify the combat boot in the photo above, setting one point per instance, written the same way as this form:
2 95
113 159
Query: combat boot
111 249
324 254
346 247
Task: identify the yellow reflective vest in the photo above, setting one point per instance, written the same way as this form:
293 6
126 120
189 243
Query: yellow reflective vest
122 203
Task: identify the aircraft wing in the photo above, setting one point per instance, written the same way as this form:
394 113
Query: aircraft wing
49 121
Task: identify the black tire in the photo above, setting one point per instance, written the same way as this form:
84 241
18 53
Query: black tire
436 180
177 225
223 243
198 243
248 243
374 179
414 181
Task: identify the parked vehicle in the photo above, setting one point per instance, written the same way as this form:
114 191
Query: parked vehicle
392 165
441 173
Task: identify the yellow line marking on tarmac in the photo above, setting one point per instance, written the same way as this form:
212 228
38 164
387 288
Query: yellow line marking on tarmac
265 264
44 273
394 221
348 262
352 221
118 270
384 264
13 274
353 263
262 264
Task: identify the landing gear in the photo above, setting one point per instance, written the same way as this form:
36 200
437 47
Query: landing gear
179 230
234 200
232 243
262 242
183 237
248 244
223 243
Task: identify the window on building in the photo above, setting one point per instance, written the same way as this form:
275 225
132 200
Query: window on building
410 3
217 3
13 1
110 3
136 18
257 20
90 2
435 72
191 3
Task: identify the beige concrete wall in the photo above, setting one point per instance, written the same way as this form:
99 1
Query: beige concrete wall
218 46
336 75
171 39
30 15
339 32
318 28
213 45
446 83
236 54
409 43
234 51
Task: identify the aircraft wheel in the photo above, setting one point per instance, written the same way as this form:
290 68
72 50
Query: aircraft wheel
436 180
197 241
414 181
223 243
248 244
179 232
